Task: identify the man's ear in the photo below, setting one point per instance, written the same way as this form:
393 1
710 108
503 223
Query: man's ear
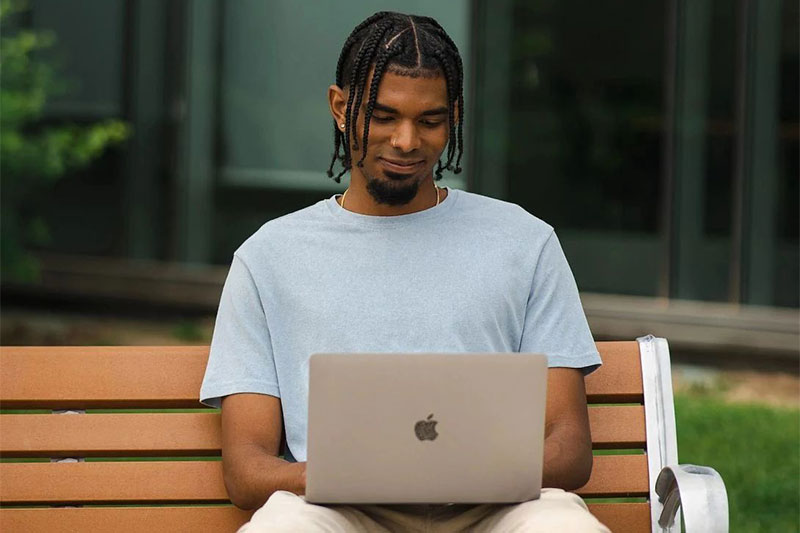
337 101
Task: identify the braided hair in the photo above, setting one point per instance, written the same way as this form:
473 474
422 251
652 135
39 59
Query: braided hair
408 45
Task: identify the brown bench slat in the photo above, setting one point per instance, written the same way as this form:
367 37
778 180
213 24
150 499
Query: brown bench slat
78 377
617 475
125 520
619 378
110 435
620 517
617 427
623 517
113 482
176 434
201 481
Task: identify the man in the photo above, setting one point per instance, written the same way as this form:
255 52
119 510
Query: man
394 264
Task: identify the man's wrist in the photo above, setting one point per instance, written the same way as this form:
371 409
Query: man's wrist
297 477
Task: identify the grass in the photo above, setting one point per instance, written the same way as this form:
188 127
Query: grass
756 450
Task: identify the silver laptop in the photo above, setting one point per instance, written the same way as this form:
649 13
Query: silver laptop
425 428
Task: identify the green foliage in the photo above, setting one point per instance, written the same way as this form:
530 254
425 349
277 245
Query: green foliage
32 155
756 450
189 331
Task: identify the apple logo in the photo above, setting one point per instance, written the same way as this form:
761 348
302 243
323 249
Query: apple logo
426 429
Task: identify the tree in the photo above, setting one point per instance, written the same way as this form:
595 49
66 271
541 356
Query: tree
33 155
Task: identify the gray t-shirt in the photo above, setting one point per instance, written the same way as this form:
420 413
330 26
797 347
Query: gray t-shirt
472 274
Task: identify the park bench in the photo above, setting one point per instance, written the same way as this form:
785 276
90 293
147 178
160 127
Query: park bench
62 470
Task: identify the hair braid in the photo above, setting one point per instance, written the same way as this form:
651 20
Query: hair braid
354 80
452 95
460 100
352 39
457 169
439 31
370 49
339 138
380 66
337 141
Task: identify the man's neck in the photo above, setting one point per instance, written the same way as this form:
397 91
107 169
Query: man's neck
359 200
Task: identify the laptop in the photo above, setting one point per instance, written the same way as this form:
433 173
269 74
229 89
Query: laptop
425 428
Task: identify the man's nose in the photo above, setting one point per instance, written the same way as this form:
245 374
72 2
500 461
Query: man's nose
405 137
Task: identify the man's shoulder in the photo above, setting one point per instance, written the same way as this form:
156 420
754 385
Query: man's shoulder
491 212
285 230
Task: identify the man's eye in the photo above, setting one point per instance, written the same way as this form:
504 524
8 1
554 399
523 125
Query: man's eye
432 123
381 119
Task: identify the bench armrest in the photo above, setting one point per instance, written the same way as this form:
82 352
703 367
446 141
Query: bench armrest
700 491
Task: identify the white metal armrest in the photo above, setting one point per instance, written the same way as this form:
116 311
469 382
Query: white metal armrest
700 491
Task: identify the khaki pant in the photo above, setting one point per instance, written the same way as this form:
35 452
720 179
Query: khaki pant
555 511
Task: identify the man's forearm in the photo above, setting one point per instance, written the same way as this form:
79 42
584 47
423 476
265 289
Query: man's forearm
567 461
252 475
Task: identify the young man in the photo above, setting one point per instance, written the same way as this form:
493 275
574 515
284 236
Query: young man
395 264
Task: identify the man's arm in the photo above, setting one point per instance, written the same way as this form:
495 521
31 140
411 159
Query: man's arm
567 441
251 437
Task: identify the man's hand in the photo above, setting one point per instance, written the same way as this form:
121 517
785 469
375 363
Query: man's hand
252 429
567 441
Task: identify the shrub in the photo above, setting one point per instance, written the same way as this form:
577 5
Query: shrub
34 155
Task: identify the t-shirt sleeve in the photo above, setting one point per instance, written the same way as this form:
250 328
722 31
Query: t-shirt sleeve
240 359
555 324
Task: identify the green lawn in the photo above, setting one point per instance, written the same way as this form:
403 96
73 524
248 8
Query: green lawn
755 448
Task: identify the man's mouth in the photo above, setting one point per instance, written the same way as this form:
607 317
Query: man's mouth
399 166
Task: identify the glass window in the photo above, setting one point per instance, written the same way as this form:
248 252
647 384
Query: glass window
787 270
585 143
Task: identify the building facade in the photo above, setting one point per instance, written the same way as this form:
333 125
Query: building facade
659 138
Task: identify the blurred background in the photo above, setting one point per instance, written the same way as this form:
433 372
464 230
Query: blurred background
143 140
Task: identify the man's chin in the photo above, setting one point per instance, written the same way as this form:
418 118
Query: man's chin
393 191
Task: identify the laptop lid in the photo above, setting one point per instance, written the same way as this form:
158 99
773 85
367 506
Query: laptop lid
425 428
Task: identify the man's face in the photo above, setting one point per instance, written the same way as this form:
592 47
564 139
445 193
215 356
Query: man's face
407 134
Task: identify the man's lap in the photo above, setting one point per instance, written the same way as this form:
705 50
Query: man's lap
555 510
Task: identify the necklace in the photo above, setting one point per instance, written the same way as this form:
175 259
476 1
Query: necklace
344 195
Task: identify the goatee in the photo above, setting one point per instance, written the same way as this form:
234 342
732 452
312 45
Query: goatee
394 192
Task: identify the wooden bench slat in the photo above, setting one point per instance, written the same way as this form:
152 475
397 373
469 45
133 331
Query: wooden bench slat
623 517
620 517
176 434
617 475
113 482
201 481
77 377
110 435
619 378
618 427
125 520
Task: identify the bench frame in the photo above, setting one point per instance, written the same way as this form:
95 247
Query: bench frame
703 498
